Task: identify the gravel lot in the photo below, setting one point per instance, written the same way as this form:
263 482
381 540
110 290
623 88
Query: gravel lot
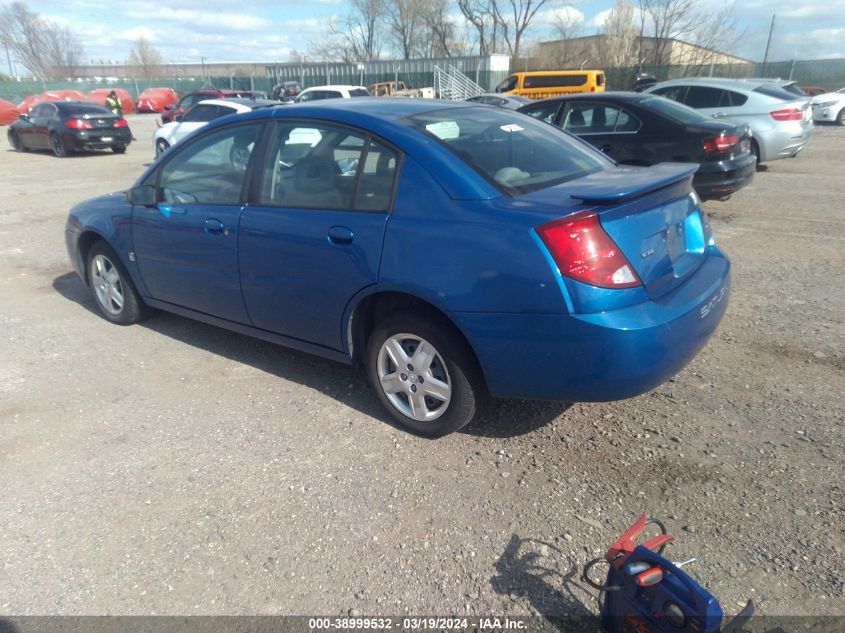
177 468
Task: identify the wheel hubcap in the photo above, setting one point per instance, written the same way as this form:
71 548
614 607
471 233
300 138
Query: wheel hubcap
414 377
107 284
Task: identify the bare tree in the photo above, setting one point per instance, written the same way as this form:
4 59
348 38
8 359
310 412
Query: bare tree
405 19
144 60
514 17
691 21
44 48
355 37
561 53
439 29
482 15
618 45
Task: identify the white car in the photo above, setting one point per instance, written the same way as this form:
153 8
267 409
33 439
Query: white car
332 92
201 113
830 106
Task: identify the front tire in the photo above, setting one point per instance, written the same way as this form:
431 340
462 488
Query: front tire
423 373
111 287
161 146
840 118
16 142
58 145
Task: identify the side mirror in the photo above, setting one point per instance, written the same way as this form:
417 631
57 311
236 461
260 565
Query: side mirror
142 195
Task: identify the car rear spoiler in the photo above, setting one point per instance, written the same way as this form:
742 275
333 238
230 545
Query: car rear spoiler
627 183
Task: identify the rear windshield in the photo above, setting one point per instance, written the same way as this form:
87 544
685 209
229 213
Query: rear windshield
514 152
674 110
359 92
82 110
776 91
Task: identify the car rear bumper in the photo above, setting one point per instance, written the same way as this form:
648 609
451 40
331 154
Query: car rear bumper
604 356
714 180
98 139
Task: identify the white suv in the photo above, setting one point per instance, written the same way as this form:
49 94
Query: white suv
830 106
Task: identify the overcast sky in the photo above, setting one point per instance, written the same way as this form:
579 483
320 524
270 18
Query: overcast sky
268 30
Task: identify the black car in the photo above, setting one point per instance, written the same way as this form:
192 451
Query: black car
67 126
644 129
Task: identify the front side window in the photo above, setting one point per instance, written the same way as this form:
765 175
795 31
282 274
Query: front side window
316 166
676 93
516 153
201 113
508 84
211 170
358 92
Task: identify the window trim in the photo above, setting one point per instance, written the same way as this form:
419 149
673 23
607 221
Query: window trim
254 195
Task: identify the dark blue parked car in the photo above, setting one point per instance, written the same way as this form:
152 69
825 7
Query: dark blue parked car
454 250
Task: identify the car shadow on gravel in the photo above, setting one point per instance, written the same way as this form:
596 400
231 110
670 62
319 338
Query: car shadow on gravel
500 419
547 577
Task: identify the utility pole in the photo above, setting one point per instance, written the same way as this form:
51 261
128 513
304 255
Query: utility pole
768 43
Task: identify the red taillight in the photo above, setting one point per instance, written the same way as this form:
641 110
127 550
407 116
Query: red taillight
583 251
720 144
78 124
120 123
788 114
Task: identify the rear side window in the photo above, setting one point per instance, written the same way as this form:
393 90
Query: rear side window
595 118
515 153
734 99
326 167
704 97
554 81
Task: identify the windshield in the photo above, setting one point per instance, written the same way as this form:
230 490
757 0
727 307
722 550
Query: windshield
514 152
508 84
674 110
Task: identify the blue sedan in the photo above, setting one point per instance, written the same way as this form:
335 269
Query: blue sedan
453 250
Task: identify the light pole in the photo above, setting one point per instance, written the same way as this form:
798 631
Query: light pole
204 81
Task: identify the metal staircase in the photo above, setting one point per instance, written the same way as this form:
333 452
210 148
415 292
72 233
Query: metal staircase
453 85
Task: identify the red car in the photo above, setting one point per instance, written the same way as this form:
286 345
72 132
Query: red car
168 115
155 99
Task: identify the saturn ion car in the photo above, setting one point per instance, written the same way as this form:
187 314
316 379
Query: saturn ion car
452 250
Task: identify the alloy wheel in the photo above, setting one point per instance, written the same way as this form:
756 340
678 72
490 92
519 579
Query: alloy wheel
414 377
108 287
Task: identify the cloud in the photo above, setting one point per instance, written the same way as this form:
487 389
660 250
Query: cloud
137 32
192 18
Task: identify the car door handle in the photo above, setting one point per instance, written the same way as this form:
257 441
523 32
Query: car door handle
720 115
340 235
215 226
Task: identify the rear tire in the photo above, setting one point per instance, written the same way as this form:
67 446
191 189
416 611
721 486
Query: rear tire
439 395
119 149
755 149
112 288
58 146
